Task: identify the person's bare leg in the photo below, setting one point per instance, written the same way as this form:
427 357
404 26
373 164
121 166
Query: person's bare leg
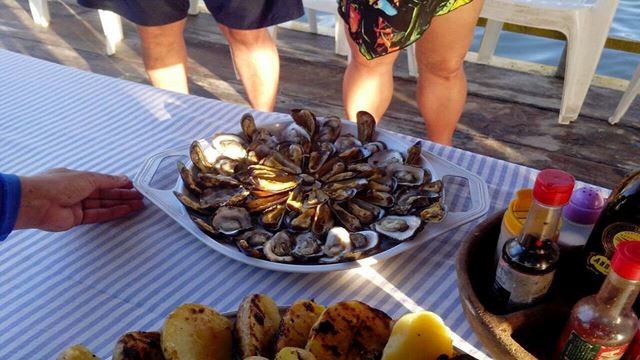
442 85
367 84
256 58
165 56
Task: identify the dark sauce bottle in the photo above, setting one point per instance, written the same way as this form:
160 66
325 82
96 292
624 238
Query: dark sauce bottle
527 266
618 222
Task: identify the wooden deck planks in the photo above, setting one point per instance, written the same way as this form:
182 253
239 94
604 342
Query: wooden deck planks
509 115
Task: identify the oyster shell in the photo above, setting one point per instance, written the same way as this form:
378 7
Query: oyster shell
305 119
433 213
399 228
217 197
307 247
413 154
279 248
231 146
203 155
337 246
230 221
366 126
248 125
384 158
406 174
330 129
364 241
188 178
255 238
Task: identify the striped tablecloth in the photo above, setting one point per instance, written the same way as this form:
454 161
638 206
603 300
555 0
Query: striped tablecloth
94 283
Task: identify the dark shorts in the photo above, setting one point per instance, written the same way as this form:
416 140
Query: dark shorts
380 27
236 14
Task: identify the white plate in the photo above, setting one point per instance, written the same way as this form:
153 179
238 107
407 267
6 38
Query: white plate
439 167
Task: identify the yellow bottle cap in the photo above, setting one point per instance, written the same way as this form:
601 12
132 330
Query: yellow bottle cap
517 211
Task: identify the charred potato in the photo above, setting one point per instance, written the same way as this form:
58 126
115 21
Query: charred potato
297 323
349 330
77 352
138 345
257 323
293 353
193 332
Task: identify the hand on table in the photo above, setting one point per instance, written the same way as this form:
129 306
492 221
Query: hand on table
60 199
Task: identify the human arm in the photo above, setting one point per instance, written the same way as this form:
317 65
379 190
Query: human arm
60 199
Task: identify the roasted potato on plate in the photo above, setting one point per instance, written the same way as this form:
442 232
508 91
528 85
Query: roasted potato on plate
138 345
296 324
257 323
195 332
77 352
349 330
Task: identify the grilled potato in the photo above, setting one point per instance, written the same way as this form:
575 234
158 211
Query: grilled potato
257 323
138 345
77 352
193 332
349 330
296 324
420 336
293 353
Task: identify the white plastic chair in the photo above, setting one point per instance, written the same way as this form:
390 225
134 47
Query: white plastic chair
331 7
584 22
111 23
632 91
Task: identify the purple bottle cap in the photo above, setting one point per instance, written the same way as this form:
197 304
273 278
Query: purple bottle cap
584 207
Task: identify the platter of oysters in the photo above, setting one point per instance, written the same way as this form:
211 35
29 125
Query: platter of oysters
311 194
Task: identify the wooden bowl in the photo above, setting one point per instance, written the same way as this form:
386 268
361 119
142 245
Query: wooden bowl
531 333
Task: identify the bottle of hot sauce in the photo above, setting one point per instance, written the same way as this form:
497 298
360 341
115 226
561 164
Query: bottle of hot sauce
528 262
602 326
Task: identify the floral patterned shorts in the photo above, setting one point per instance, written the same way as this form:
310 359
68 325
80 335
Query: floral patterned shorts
380 27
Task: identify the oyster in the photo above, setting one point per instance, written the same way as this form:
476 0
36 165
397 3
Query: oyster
229 220
188 178
364 241
307 247
330 129
406 174
203 155
399 228
305 119
217 197
248 125
413 154
337 246
255 238
231 146
366 126
280 247
433 213
384 158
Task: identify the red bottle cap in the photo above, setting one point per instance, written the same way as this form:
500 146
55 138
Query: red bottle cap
626 260
553 187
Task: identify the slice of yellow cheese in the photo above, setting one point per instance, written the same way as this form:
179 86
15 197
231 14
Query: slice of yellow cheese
418 336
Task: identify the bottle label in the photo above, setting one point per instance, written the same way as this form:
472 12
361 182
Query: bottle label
520 289
612 235
577 348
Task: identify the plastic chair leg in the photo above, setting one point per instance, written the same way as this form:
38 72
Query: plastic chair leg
585 42
632 91
341 45
489 41
193 7
40 12
112 28
312 20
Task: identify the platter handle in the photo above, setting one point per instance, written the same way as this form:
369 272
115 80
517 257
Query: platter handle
478 190
143 182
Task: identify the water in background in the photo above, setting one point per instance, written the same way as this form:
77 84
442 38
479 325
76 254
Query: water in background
626 24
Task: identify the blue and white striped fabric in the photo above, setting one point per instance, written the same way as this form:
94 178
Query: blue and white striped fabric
94 283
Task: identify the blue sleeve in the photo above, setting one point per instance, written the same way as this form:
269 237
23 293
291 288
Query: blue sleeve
9 203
